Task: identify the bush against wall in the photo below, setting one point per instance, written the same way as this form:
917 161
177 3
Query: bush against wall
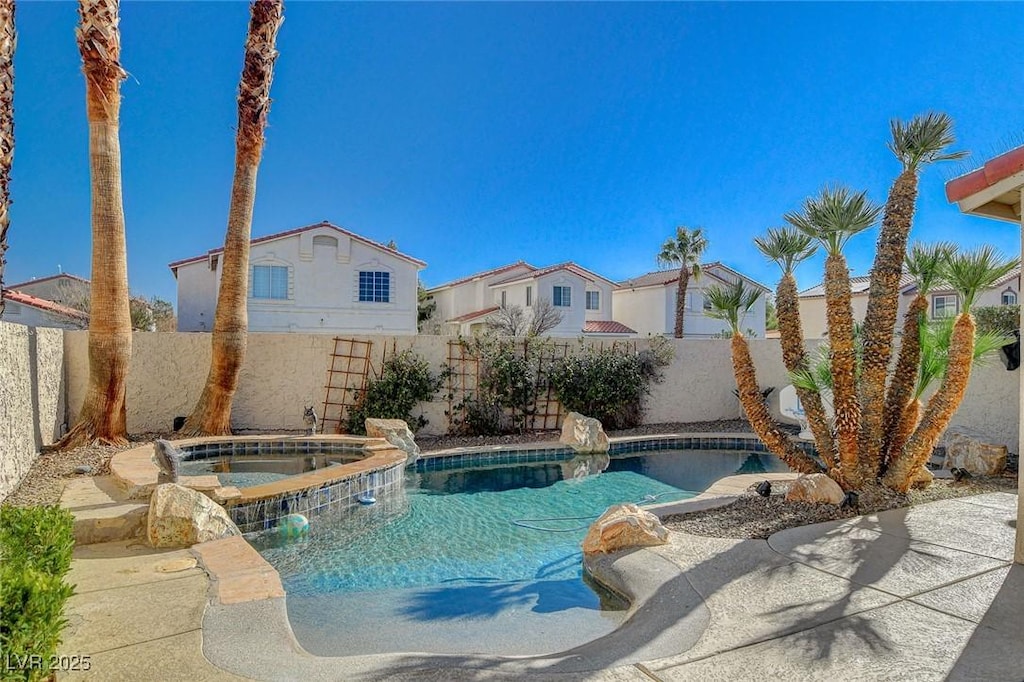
610 384
35 555
998 319
405 380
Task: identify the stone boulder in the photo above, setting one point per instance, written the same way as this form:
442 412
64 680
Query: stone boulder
922 479
816 489
970 449
583 434
182 517
396 432
624 526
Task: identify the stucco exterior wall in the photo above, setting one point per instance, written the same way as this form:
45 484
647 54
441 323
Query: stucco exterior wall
652 310
18 313
283 373
32 410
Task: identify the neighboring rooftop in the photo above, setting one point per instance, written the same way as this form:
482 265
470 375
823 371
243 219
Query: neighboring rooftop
858 285
480 275
20 297
606 327
40 280
288 233
568 266
671 276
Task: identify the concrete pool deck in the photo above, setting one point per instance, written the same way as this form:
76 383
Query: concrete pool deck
925 593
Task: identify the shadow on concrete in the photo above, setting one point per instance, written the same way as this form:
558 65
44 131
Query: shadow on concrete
995 650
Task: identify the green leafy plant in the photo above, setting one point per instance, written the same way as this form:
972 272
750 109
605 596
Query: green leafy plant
35 555
998 319
608 384
405 380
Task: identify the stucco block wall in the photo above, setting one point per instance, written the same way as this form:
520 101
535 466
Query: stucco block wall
283 373
32 410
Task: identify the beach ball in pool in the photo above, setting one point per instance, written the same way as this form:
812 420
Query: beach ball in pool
293 526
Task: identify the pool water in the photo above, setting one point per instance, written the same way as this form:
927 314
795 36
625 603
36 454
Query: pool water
244 471
481 551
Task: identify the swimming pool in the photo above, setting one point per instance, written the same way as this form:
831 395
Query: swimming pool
474 555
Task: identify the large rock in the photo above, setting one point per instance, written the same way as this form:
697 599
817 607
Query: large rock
396 432
583 434
182 517
972 450
623 526
815 488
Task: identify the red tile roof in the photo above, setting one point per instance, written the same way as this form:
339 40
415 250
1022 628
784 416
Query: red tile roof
42 304
299 230
475 314
19 285
568 265
606 327
485 273
667 277
994 170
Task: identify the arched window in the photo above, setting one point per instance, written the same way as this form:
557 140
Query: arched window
1009 297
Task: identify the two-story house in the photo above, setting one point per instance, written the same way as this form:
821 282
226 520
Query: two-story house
648 303
942 302
52 301
581 299
318 278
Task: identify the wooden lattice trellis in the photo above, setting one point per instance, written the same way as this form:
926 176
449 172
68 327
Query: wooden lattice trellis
463 380
350 368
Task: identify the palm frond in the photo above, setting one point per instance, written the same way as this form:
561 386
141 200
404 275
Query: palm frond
926 263
731 302
936 337
786 246
923 139
834 216
685 249
972 271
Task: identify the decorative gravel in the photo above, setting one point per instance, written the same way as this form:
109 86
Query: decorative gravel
753 516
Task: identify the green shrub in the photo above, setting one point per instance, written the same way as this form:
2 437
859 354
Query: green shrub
405 380
609 385
997 319
35 555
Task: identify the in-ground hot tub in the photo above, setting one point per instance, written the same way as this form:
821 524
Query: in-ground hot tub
268 477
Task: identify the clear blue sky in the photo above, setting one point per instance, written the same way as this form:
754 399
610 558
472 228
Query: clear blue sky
478 134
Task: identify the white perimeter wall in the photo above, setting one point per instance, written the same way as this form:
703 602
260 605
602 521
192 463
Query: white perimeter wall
285 372
31 397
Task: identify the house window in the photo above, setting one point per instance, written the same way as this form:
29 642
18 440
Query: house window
562 297
503 298
374 287
945 305
1009 297
707 304
270 281
529 296
593 300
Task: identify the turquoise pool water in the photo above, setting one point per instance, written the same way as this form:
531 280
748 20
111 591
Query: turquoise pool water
479 551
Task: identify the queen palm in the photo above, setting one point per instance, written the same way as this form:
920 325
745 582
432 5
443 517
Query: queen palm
921 141
968 273
102 417
832 218
926 264
788 247
731 303
7 42
212 414
684 250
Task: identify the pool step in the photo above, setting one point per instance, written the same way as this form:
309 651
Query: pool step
102 514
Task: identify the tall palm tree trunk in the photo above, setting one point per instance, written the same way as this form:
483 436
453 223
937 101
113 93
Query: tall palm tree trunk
212 413
901 388
839 313
8 39
880 319
940 409
102 417
761 421
791 335
904 429
684 281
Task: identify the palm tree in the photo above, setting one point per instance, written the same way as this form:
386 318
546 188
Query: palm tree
684 250
8 39
926 264
102 418
921 141
212 414
969 273
731 303
832 218
788 247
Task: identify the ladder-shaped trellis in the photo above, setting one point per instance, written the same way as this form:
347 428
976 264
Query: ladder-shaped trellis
350 368
548 412
463 380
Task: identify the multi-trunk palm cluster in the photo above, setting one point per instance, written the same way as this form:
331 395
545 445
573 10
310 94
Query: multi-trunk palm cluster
880 432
